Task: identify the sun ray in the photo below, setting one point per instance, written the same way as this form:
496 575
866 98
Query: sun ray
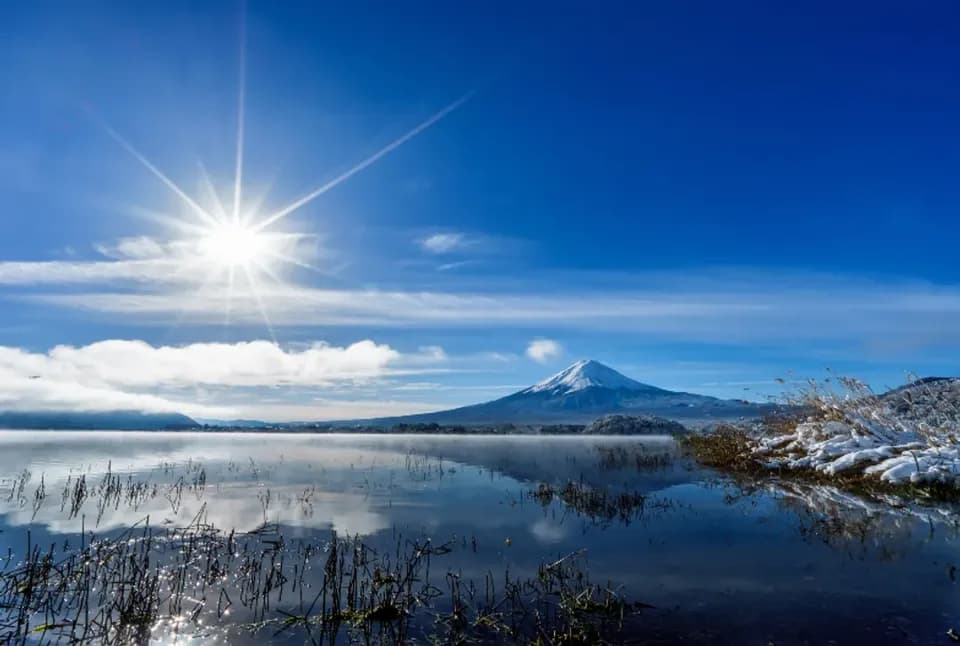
165 219
182 312
226 235
211 191
228 306
255 291
372 159
179 192
241 116
282 257
267 271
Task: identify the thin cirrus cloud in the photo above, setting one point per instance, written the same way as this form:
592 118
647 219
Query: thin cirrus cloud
67 272
137 247
139 260
132 374
544 350
744 306
879 316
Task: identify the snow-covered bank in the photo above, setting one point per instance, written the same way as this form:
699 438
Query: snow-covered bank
907 439
833 448
908 435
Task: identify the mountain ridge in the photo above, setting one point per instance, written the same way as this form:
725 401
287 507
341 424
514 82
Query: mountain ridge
117 420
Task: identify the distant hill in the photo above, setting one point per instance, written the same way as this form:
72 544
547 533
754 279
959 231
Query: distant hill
236 423
929 398
583 392
107 421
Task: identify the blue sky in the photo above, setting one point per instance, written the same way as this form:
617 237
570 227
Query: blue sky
704 196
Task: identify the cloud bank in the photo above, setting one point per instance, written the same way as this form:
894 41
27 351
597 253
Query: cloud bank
131 374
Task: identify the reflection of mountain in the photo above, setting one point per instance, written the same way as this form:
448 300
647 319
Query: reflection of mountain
110 421
583 392
641 464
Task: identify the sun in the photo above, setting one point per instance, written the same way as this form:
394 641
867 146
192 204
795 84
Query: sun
228 243
235 245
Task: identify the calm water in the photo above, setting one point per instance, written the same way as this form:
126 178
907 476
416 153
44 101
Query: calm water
720 563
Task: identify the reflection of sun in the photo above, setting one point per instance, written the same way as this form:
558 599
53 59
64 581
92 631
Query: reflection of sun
220 243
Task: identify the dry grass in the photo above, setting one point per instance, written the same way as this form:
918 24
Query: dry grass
201 582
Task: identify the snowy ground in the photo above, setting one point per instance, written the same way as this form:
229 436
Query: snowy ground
911 434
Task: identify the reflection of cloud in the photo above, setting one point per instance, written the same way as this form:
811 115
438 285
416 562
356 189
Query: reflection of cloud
235 506
548 532
312 483
351 483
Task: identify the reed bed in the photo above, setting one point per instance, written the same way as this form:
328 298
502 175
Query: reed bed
149 582
639 458
597 505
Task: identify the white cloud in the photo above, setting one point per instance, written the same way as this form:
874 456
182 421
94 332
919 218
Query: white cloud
33 393
544 350
127 375
254 363
432 353
443 242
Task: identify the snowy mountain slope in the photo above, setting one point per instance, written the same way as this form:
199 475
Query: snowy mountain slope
586 374
583 392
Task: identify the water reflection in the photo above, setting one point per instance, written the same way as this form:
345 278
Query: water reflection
732 561
883 529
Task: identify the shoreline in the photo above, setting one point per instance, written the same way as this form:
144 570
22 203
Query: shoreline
732 451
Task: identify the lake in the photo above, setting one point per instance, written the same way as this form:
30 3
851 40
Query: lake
448 522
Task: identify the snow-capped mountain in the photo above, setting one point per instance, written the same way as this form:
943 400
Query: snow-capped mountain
585 374
583 392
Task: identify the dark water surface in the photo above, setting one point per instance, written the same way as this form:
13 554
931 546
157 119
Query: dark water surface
719 562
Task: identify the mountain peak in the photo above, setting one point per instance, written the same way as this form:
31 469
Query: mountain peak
582 392
583 374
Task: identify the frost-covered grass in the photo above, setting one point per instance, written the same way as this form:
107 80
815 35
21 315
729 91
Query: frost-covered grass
906 438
